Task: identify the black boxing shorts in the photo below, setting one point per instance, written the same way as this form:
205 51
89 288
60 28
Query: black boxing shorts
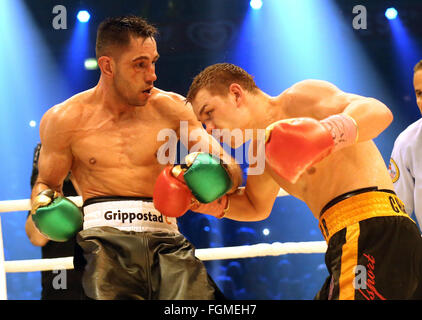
374 248
130 251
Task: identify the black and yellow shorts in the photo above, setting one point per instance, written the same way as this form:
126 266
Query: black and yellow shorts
374 248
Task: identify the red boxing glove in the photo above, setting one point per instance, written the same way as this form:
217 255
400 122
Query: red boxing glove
171 196
294 145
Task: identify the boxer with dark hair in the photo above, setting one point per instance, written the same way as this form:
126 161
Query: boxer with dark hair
107 137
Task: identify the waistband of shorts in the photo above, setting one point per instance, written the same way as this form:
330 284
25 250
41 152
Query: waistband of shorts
356 206
89 201
126 214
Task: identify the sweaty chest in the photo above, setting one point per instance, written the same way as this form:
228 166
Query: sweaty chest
114 146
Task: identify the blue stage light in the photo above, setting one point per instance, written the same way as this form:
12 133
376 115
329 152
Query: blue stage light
83 16
256 4
391 13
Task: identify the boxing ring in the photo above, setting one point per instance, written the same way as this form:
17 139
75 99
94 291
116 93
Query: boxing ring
235 252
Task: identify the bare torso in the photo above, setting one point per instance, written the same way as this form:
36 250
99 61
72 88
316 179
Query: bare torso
117 157
355 167
358 166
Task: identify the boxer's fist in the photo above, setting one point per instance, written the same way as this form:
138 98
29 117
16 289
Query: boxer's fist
293 145
206 176
171 195
203 178
56 217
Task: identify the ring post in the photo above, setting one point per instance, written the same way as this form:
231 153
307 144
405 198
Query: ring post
3 288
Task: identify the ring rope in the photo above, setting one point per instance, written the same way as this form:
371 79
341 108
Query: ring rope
248 251
25 204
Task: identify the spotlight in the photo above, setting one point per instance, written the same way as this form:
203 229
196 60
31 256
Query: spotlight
83 16
391 13
90 64
266 232
256 4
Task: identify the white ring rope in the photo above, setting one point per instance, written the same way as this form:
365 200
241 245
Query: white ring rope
25 204
248 251
256 250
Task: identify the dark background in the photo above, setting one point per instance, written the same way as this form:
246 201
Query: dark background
41 66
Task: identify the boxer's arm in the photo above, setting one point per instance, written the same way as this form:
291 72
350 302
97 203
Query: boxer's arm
252 203
255 201
225 173
321 99
54 163
55 159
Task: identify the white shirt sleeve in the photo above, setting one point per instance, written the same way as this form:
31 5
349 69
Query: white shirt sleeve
406 169
401 173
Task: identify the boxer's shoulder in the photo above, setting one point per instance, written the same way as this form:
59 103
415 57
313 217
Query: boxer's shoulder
311 86
65 115
172 104
161 98
312 98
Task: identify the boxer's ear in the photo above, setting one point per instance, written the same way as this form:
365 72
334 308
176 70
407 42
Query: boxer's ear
237 91
105 64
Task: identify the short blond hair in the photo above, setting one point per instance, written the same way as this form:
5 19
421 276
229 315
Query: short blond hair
218 77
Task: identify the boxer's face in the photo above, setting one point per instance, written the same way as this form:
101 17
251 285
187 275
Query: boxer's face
135 71
222 112
417 84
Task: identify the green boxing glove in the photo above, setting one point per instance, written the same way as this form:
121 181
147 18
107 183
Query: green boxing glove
56 217
205 176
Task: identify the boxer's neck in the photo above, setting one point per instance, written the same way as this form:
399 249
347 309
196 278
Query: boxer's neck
110 101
